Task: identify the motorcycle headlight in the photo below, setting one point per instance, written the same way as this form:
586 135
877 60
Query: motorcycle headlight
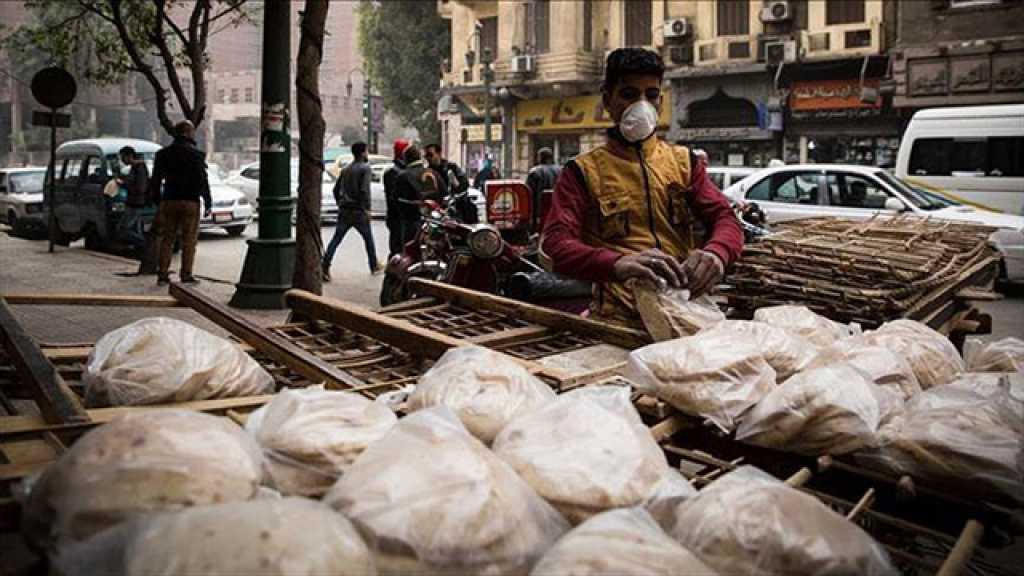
485 242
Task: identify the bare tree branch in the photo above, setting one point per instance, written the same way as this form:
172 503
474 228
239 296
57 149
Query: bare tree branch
140 62
159 40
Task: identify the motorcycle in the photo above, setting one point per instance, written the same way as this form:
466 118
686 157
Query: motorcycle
478 257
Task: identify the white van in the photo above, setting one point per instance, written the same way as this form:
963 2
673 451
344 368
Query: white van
973 154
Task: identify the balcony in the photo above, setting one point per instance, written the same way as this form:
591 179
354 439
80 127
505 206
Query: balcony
569 67
859 39
725 50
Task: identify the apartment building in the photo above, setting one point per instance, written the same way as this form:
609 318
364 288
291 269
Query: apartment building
749 80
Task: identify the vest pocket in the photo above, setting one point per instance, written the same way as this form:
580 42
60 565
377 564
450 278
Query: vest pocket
615 211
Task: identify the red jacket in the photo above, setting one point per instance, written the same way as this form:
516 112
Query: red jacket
572 205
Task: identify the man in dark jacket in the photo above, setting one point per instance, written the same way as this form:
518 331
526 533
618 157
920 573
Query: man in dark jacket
352 193
416 184
136 182
390 180
541 177
179 181
453 182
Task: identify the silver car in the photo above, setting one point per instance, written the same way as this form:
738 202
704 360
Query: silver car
21 198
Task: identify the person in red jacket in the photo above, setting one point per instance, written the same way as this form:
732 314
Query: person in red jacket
626 209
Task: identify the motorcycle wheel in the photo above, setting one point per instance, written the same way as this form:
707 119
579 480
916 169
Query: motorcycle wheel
392 291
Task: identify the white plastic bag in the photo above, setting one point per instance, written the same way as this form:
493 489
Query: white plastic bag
623 542
1006 355
882 366
831 410
804 322
288 537
157 460
437 500
715 374
163 360
311 435
485 389
670 313
933 358
989 384
586 452
785 352
748 522
958 438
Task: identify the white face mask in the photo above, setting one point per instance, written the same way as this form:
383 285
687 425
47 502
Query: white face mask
638 121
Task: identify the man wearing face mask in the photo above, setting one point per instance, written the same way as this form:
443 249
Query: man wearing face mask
626 209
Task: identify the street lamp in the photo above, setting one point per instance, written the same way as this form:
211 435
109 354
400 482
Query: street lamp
368 112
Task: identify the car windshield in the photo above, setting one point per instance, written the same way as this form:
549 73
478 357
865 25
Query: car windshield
918 197
27 182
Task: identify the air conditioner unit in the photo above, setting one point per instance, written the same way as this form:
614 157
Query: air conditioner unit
676 28
522 64
776 11
778 52
681 54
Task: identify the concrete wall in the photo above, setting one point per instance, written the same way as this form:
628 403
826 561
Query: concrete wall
921 23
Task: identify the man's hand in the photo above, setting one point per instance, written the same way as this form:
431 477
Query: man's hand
651 265
703 270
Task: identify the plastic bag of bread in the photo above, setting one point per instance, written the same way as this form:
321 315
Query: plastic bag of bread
586 452
1006 355
958 438
485 389
803 322
882 366
311 435
748 522
785 352
831 410
624 542
158 460
287 537
669 313
989 384
715 374
932 357
163 360
437 501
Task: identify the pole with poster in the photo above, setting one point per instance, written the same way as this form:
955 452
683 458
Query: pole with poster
54 88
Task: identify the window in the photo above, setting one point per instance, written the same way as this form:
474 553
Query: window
249 95
539 18
234 95
997 157
930 157
795 188
26 182
844 12
733 17
761 190
95 170
639 16
588 25
718 179
489 36
334 101
970 155
799 11
72 168
220 96
972 3
1006 157
855 191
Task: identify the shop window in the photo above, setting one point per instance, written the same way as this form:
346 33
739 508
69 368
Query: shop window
1006 157
489 36
844 12
539 18
854 191
930 157
722 110
733 17
639 16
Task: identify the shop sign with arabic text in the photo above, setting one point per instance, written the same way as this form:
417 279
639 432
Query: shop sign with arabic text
830 95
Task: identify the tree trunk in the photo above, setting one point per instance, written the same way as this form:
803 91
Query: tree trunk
309 247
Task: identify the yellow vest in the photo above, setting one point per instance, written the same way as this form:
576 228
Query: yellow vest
640 195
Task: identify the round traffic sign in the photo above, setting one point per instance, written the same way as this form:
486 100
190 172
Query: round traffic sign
54 87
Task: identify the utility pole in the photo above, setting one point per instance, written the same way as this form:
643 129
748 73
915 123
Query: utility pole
270 259
367 106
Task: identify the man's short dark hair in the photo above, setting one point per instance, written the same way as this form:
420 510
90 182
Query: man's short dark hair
127 151
433 147
412 154
631 61
545 156
358 149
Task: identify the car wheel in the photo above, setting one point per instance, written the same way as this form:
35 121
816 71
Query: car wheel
235 230
93 240
12 221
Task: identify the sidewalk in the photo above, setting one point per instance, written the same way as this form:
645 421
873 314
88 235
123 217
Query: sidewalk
27 268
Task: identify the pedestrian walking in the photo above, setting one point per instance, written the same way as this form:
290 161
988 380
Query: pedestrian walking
352 193
541 177
178 183
487 172
136 183
390 179
416 184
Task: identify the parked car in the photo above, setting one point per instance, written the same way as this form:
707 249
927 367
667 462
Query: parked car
21 198
247 180
975 153
725 176
83 168
807 190
231 209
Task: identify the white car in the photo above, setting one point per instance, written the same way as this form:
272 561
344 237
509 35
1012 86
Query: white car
848 191
231 209
248 181
725 176
21 198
